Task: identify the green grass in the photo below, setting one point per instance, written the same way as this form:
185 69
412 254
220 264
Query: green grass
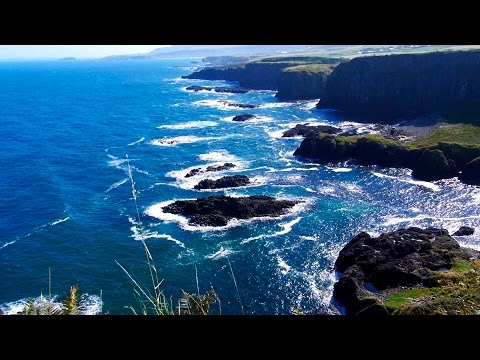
311 68
397 299
463 134
458 293
462 266
354 138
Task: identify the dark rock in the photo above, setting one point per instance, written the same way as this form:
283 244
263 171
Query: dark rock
322 148
224 182
464 231
405 257
242 106
243 117
406 85
194 172
307 130
471 172
218 210
427 164
218 89
433 165
223 167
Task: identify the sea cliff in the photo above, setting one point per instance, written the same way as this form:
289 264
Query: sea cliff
442 83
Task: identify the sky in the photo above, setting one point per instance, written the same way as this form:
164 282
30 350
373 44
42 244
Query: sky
77 51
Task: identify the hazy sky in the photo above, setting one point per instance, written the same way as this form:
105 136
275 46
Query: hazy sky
78 51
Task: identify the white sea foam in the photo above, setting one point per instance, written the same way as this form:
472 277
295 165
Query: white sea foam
221 253
189 125
178 140
88 305
218 104
310 190
117 184
327 190
7 243
218 156
426 184
286 228
284 267
291 169
309 238
310 105
257 119
276 105
339 169
137 142
59 221
399 220
144 234
156 211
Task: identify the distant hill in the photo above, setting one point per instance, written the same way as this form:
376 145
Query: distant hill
188 51
67 59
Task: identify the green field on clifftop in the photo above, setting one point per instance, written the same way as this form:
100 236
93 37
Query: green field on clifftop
463 134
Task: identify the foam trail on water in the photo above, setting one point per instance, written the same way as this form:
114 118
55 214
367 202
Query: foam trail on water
117 184
284 267
219 254
287 227
339 169
218 156
59 221
7 243
137 142
178 140
426 184
189 125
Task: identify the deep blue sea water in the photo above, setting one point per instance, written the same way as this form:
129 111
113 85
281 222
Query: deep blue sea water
66 199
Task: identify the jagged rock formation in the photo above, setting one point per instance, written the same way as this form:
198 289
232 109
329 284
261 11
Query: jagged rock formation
224 182
218 210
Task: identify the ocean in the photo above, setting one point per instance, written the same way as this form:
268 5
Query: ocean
66 199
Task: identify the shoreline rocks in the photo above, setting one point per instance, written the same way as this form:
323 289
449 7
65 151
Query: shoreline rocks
197 171
243 117
218 210
429 164
308 130
218 89
224 182
464 231
403 258
242 106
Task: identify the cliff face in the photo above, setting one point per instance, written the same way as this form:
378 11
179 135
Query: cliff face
295 85
406 85
261 76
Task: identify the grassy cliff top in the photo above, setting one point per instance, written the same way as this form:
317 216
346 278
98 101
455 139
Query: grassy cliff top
462 134
457 294
311 68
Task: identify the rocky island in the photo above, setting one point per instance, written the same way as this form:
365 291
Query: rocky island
211 168
218 210
224 182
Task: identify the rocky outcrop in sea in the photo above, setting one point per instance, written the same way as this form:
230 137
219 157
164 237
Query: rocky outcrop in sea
218 210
